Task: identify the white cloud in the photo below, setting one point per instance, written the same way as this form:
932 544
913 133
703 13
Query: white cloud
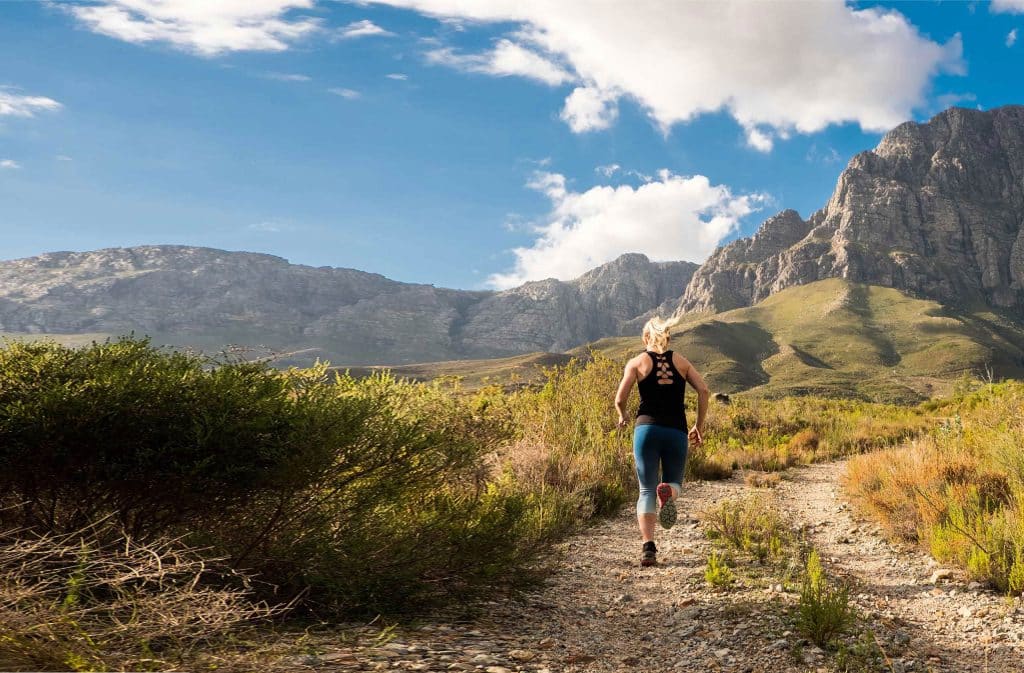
608 170
673 217
1007 6
775 67
19 105
9 163
401 77
205 27
350 94
1011 38
507 58
364 28
589 109
63 157
759 140
288 77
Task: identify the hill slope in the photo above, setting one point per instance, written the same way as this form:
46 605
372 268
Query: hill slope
841 338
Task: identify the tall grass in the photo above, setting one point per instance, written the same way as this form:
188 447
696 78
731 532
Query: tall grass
959 491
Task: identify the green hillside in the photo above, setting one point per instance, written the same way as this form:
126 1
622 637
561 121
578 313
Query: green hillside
838 338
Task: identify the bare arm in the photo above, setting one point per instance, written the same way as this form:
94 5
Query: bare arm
703 395
622 394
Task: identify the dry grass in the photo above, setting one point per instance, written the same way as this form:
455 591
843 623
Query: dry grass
959 491
762 479
96 601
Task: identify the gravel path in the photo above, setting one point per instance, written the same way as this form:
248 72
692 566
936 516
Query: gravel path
602 612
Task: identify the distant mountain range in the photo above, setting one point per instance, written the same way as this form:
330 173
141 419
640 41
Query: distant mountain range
934 212
208 298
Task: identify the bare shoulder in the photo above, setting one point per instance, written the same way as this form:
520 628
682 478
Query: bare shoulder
681 363
635 361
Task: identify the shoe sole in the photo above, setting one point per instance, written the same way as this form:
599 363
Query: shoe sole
667 515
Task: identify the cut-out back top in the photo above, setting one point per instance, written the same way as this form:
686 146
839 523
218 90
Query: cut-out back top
662 394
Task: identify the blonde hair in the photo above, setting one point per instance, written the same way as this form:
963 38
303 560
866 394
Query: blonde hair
656 332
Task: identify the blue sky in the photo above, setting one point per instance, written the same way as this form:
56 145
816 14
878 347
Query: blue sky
429 140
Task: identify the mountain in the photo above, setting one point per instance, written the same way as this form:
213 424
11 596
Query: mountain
208 298
843 339
935 211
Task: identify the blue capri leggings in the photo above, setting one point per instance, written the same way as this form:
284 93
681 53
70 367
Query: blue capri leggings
658 448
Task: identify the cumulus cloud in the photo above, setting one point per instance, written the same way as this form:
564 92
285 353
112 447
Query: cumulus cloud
1011 38
364 28
672 217
350 94
401 77
202 27
507 58
588 108
1007 6
608 170
9 163
15 104
775 67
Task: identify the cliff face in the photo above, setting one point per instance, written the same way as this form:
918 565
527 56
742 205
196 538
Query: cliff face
935 210
179 292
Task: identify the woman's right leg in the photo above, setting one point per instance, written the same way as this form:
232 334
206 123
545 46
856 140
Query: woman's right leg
648 459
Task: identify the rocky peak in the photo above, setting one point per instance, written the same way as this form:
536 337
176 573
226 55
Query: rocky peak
934 210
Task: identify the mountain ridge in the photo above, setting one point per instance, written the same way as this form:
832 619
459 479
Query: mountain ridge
182 294
935 209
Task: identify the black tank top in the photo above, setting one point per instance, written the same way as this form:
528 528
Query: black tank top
662 393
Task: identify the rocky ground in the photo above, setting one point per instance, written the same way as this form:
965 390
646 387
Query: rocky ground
602 612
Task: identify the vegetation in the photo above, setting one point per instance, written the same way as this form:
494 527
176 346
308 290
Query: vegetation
716 572
250 488
959 490
824 611
838 339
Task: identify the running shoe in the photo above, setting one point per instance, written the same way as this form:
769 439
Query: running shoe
667 515
650 555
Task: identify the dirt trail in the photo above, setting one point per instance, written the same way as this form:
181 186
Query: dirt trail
602 612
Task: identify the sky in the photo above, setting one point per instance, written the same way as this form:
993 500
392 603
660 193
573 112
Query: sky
462 143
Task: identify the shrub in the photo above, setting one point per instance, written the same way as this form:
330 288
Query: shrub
153 438
823 611
750 525
717 572
359 495
762 479
959 491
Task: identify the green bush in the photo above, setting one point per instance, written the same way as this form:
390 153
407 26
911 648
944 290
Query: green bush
717 572
824 611
359 495
153 438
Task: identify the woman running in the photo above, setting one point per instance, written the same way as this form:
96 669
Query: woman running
660 438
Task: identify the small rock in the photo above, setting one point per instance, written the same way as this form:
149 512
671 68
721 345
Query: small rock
622 598
547 643
722 653
522 655
940 574
497 669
